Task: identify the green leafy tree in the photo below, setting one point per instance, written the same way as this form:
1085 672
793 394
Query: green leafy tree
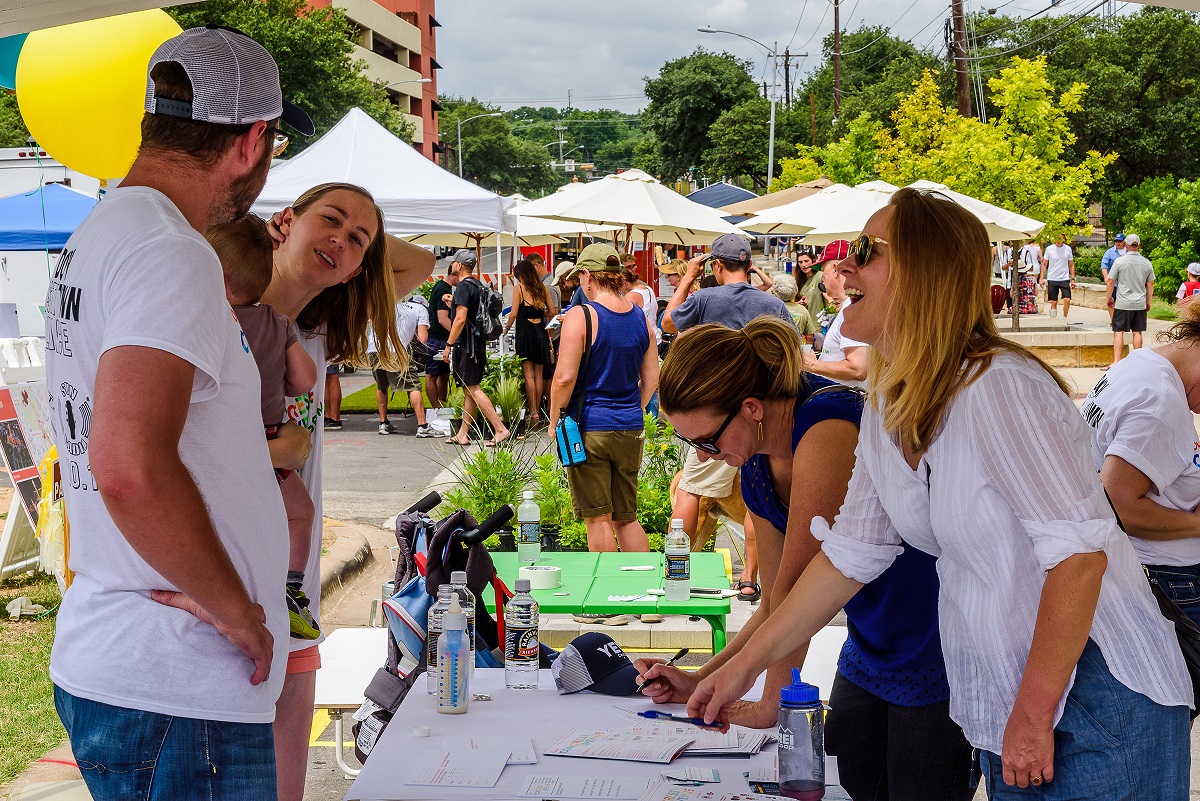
877 69
314 48
604 137
13 132
740 139
686 98
1165 214
1145 65
1016 160
491 155
850 160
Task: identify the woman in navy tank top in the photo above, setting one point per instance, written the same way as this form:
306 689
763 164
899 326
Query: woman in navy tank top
617 381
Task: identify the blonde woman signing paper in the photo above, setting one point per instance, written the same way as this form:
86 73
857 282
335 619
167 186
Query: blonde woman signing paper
1062 670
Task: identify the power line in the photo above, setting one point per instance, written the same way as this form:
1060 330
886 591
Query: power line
800 19
1046 35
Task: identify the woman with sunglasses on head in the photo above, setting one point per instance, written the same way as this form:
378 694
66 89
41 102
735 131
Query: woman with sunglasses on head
743 397
1062 671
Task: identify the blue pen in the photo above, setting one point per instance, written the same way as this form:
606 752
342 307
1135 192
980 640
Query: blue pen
654 714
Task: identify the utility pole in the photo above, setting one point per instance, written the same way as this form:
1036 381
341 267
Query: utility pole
787 78
812 114
837 60
764 90
958 56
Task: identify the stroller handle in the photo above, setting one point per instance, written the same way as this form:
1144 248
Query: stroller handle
424 505
489 527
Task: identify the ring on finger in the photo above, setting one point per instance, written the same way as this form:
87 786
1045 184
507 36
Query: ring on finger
1035 779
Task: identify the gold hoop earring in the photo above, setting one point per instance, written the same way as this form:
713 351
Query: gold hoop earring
760 432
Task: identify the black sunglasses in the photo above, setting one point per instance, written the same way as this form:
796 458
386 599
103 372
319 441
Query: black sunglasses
861 248
709 444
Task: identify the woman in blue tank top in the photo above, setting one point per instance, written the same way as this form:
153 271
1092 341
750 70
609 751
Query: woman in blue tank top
741 396
617 381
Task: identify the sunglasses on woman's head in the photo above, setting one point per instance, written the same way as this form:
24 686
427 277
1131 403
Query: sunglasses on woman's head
709 444
861 248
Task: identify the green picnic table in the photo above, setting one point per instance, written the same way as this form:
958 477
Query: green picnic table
589 579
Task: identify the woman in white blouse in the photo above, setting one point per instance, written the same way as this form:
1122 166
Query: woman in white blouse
1062 671
1145 446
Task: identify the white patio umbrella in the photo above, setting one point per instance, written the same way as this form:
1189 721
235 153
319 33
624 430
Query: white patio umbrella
1003 225
837 211
637 202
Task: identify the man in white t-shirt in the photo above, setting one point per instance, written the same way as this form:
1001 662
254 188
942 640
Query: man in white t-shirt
842 359
412 326
1058 275
175 621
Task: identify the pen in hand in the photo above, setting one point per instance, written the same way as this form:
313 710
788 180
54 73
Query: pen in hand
680 655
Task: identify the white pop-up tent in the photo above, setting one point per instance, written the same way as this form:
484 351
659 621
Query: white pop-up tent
416 195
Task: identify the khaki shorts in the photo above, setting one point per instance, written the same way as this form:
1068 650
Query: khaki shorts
607 482
711 479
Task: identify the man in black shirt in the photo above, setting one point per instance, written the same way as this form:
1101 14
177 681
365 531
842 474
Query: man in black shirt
466 353
441 306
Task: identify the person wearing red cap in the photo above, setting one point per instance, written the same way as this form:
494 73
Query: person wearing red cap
842 359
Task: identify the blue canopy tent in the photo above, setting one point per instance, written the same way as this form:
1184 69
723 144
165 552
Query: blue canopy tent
42 219
722 194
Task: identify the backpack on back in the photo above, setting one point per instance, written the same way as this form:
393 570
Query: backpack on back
487 314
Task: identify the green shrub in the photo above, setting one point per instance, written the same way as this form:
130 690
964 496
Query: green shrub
551 492
486 479
661 460
1087 262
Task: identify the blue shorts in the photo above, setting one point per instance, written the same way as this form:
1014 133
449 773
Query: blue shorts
127 754
333 369
436 366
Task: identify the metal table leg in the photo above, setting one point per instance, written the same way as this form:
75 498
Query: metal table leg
338 753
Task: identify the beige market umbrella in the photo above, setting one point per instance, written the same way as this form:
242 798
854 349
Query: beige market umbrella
836 212
782 197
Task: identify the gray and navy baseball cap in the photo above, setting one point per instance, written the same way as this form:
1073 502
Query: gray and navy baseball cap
465 256
234 80
730 247
593 661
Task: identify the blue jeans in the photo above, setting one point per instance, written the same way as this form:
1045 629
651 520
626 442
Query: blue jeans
129 755
1111 744
1182 585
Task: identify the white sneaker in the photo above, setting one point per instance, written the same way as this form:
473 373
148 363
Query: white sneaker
386 428
426 432
1054 312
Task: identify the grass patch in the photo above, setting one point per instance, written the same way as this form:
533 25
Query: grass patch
363 402
1162 310
29 725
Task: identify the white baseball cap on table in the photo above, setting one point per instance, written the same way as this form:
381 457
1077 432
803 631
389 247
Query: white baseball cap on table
234 80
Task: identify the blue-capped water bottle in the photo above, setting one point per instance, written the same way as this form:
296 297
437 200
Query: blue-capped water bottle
801 741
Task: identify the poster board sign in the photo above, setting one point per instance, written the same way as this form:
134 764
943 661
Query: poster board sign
15 448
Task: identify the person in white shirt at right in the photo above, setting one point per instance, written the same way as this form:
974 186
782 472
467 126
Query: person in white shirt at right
1062 670
1147 451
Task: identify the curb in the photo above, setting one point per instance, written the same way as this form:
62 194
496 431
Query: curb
345 559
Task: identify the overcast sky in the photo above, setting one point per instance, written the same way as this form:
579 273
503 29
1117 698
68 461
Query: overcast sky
531 52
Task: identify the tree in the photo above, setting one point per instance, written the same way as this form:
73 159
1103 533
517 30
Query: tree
850 160
686 98
1165 214
314 49
1016 160
604 137
13 132
1149 108
877 69
740 138
492 157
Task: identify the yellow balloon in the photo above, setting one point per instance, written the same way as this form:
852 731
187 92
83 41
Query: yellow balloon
82 88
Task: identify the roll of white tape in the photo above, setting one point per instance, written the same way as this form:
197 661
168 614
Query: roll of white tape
541 577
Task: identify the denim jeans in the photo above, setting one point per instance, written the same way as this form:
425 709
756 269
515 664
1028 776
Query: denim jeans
1111 744
130 755
1182 585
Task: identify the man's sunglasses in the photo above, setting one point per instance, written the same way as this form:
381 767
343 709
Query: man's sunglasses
861 248
280 142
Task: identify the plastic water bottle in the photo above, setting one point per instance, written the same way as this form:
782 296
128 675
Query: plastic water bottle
521 643
677 573
453 676
529 530
466 599
801 741
436 612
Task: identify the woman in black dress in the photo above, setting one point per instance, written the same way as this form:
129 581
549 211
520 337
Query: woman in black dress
532 308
